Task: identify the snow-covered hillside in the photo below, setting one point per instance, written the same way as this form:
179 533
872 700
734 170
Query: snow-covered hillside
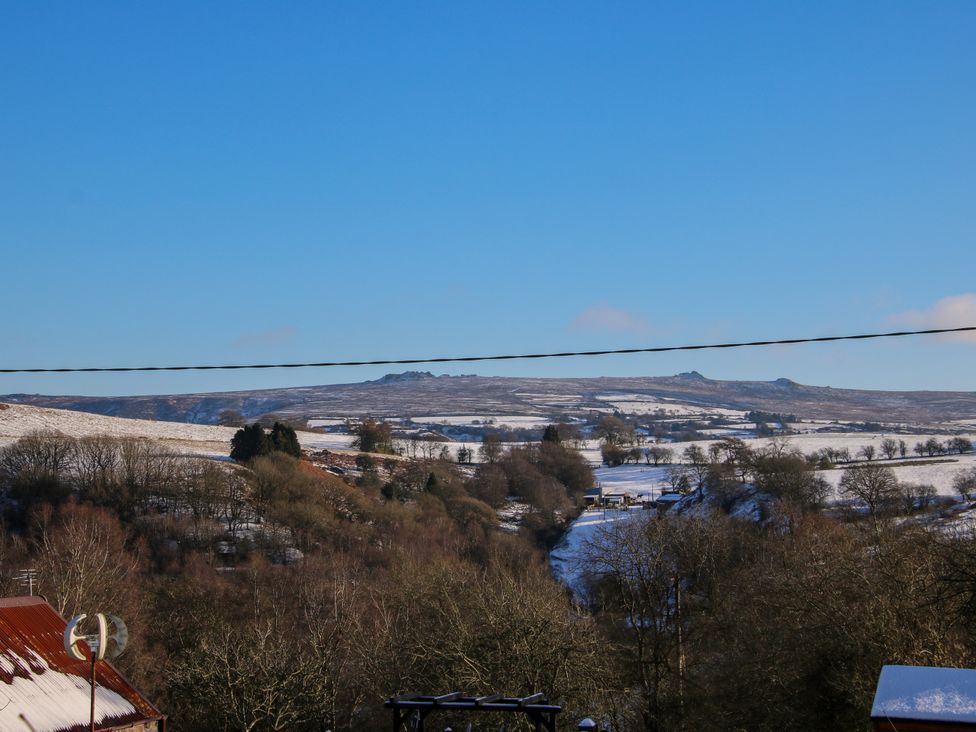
18 420
568 558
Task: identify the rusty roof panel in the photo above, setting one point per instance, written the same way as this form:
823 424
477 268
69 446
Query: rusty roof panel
44 689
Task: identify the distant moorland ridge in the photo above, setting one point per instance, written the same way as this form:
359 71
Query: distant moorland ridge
421 393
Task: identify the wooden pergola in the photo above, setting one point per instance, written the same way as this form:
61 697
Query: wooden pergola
535 707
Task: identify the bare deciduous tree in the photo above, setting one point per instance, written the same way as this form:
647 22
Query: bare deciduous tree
873 485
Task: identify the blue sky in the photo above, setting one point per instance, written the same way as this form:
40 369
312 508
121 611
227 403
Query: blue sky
212 182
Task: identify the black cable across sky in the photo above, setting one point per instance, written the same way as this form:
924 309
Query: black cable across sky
505 357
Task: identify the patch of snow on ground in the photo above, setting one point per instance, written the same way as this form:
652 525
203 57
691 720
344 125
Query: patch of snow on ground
567 558
510 515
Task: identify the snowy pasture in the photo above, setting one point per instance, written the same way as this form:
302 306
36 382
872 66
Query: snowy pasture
328 441
514 421
330 422
645 481
18 420
645 404
939 474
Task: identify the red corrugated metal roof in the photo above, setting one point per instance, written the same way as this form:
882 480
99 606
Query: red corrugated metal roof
46 686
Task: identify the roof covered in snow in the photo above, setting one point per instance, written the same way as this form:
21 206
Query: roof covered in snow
926 693
669 498
44 689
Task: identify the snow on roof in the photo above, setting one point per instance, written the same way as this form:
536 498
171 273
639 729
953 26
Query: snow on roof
926 693
44 689
669 498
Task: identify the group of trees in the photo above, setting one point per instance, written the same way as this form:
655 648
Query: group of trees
252 441
319 646
933 446
131 477
964 483
548 478
372 435
284 597
877 488
784 473
620 441
891 448
722 624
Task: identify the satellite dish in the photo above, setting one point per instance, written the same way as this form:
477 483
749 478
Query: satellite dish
108 641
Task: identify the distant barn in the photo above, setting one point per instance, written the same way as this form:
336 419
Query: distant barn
46 690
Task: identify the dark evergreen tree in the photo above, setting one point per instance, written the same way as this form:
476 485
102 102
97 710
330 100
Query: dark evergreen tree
551 434
249 442
285 440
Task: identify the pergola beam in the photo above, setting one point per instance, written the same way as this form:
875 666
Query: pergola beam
533 706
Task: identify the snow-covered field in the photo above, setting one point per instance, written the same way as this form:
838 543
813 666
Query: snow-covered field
319 441
645 404
541 398
18 420
940 475
642 480
332 422
482 420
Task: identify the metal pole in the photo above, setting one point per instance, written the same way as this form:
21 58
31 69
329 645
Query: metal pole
93 695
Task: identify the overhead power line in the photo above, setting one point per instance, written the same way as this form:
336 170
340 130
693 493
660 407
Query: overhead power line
505 357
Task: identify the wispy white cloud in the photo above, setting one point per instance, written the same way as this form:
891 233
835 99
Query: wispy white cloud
603 318
949 312
265 338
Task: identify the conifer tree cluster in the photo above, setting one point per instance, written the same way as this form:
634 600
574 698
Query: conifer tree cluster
252 441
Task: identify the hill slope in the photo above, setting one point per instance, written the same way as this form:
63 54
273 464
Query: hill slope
17 420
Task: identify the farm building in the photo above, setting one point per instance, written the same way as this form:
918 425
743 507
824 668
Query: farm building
46 690
600 498
925 699
667 499
619 498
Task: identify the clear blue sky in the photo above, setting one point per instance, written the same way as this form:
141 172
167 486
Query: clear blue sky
224 181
